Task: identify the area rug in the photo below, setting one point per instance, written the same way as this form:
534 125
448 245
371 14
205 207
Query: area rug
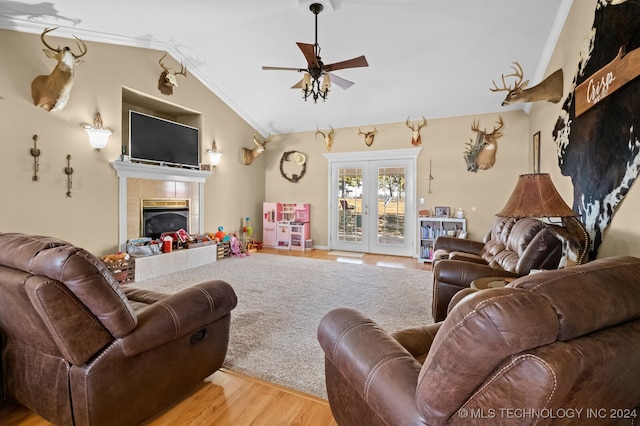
345 253
281 300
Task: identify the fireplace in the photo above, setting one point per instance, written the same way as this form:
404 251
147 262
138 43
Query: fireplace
144 181
160 215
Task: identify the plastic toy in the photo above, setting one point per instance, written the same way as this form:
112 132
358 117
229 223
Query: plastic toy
221 236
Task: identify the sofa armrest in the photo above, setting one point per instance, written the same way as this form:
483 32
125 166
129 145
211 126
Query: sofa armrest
372 363
417 340
179 315
458 244
461 273
467 257
459 296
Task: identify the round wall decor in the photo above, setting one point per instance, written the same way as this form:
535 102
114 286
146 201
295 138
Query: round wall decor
297 157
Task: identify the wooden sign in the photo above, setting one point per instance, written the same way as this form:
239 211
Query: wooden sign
621 70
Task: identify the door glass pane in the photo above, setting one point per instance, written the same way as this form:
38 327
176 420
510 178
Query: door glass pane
350 205
391 205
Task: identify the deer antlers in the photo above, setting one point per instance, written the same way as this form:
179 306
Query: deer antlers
368 136
495 134
415 138
81 44
168 79
328 137
519 84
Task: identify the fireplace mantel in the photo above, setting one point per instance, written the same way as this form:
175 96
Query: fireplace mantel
127 169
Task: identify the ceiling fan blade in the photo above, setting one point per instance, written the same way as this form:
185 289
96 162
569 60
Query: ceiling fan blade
309 53
340 82
282 68
360 61
298 85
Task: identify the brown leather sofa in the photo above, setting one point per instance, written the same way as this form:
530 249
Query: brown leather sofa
78 349
556 347
511 248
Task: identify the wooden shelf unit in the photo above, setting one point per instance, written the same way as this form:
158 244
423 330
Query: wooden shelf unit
430 228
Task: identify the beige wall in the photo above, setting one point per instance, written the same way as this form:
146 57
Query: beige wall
90 217
480 194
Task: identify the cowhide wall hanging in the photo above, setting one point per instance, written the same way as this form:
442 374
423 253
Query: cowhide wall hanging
599 148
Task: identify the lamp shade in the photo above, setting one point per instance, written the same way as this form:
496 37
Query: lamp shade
214 154
214 157
98 135
536 196
98 138
306 82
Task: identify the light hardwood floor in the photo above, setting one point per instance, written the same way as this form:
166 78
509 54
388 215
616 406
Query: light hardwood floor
228 398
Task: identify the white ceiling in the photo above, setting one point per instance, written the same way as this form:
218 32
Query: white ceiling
431 58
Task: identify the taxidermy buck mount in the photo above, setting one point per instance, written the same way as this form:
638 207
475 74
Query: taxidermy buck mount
481 154
328 137
52 91
549 89
248 155
416 140
368 136
168 80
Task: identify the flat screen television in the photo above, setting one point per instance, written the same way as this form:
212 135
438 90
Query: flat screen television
156 140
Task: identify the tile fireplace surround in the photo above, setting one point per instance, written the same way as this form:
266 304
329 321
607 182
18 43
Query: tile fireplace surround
137 181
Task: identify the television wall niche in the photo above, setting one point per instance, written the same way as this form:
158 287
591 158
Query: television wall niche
133 100
154 139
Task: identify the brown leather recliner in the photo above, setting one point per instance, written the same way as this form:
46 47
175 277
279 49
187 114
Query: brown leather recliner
556 347
511 248
80 350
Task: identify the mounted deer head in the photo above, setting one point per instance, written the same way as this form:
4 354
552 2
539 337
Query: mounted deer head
482 154
328 137
368 136
248 155
168 80
52 91
416 140
550 89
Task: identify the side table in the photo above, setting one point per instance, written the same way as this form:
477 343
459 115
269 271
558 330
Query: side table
490 282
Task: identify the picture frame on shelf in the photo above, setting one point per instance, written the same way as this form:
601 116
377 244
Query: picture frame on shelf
442 211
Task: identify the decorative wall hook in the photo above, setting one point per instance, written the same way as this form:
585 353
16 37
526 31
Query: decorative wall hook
430 177
35 152
68 171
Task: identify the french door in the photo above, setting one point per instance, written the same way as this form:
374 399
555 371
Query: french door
372 202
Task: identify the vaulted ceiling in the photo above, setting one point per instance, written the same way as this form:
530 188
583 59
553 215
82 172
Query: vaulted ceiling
431 58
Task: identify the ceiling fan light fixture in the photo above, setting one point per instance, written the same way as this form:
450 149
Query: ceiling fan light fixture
306 82
310 84
326 83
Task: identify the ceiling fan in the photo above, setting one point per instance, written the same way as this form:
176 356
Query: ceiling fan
310 83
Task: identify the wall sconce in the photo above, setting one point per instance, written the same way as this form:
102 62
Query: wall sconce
98 135
214 154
